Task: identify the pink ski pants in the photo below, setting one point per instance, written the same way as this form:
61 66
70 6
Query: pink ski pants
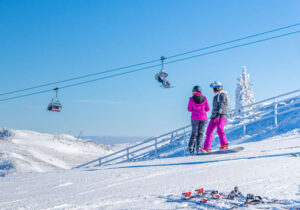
218 123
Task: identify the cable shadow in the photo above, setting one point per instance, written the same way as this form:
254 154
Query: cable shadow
198 162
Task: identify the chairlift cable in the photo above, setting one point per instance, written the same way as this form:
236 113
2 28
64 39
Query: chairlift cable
144 68
106 77
236 40
77 78
76 84
236 46
148 62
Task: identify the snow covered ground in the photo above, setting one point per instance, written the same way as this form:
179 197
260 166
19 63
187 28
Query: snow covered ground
29 151
113 141
265 167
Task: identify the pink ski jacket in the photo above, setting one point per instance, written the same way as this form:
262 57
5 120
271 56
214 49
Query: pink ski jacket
198 105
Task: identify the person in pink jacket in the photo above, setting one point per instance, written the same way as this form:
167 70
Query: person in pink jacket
198 105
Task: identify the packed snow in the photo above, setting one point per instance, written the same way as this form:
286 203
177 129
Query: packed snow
26 151
115 140
266 168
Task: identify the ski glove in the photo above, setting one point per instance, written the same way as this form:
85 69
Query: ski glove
216 118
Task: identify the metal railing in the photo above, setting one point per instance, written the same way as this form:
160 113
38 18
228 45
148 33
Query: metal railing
272 109
137 150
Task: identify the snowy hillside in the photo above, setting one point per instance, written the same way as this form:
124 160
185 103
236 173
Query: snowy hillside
256 124
264 168
113 140
28 151
259 125
268 167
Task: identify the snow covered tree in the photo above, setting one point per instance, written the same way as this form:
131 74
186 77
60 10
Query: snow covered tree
244 94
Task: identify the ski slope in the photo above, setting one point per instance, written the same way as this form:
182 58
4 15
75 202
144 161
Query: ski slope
27 151
265 168
262 120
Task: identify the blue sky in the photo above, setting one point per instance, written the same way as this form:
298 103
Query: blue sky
45 41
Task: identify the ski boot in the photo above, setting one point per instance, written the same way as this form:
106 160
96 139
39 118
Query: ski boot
224 147
200 149
253 199
203 200
205 150
234 194
166 84
200 192
191 150
215 194
186 196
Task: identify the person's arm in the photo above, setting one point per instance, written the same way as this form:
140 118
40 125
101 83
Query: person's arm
190 106
207 108
157 76
223 100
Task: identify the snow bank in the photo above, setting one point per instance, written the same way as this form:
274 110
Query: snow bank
27 151
259 126
264 168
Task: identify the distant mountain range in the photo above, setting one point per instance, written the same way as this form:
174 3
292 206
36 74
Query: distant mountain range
111 140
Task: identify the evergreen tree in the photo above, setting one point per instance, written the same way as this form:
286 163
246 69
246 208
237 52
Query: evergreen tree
244 94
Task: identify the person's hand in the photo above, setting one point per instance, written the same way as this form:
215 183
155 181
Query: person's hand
216 120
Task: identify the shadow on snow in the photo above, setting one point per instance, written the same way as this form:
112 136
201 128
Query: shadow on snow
197 162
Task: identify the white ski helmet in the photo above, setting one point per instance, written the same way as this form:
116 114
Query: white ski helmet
216 85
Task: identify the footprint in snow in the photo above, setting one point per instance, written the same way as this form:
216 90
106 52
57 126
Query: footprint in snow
65 184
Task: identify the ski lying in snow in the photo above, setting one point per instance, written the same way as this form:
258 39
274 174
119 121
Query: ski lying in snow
296 154
263 204
237 149
212 199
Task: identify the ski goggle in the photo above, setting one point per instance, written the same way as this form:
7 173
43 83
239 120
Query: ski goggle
212 85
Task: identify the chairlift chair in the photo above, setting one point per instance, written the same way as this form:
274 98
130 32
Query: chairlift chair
55 105
162 74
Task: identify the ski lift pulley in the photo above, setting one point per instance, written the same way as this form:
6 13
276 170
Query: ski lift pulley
162 58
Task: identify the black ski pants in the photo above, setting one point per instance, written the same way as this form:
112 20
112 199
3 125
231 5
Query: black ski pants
197 136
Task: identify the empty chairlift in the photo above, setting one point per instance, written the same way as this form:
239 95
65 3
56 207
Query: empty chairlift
55 105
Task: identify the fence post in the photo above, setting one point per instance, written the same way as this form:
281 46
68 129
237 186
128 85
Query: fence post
184 147
172 137
127 154
245 129
243 110
156 152
276 112
100 162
